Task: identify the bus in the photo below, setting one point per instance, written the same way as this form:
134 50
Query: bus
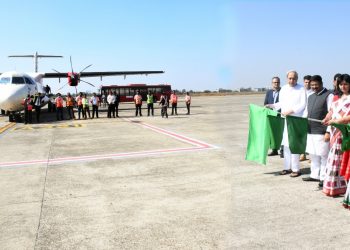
127 92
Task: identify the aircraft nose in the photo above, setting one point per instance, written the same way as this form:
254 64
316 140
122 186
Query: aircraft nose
11 98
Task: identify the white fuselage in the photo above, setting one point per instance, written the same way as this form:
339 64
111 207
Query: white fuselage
14 88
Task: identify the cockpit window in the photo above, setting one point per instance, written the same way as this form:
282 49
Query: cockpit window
5 80
17 80
28 80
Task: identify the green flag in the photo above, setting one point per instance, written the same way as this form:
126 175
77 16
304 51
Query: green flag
345 130
276 126
297 134
259 134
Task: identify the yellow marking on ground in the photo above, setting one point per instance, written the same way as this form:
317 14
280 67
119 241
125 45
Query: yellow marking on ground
10 125
29 127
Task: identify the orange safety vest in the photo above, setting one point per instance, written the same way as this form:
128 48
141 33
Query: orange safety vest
59 102
173 98
69 101
79 100
138 99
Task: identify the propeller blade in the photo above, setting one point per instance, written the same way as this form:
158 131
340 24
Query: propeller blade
71 64
76 91
86 68
87 83
59 79
63 86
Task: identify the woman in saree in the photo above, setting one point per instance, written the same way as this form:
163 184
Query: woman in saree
334 184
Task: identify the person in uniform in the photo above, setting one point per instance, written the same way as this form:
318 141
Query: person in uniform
70 106
138 103
28 107
37 106
150 101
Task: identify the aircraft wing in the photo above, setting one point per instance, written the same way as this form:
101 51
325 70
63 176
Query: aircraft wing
104 73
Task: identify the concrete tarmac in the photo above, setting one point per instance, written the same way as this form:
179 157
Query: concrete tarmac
270 211
153 183
123 183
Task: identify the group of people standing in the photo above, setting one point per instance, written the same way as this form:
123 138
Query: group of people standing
330 166
82 102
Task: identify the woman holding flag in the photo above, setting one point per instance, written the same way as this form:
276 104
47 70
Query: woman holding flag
334 184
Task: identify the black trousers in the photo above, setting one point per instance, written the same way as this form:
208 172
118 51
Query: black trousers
70 111
94 110
116 109
27 116
173 107
59 113
80 110
188 107
111 110
150 107
138 109
37 112
86 111
164 111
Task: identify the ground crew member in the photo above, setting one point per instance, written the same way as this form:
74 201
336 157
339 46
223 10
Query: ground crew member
59 107
138 102
86 109
150 101
95 101
188 102
37 106
70 106
116 103
79 101
173 100
28 107
164 102
111 101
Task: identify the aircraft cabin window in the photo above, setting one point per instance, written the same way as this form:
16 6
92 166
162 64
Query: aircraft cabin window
28 80
5 80
17 80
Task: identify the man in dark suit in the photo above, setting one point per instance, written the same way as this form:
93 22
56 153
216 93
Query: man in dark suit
272 96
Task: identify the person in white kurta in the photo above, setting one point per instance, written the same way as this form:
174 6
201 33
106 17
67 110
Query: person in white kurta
292 101
317 138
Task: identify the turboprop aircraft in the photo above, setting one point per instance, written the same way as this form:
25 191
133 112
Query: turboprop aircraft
15 86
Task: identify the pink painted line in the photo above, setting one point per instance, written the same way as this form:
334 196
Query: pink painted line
98 157
173 135
198 146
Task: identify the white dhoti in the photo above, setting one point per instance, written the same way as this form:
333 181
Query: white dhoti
318 150
291 161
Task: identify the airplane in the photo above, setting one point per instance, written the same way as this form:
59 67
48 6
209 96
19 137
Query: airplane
15 86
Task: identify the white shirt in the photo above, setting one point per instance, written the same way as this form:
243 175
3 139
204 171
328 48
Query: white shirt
291 98
94 100
111 99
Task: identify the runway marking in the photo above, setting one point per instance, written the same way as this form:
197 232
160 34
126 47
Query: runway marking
10 125
27 127
196 146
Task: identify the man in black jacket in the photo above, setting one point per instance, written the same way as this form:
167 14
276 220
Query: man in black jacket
37 105
272 96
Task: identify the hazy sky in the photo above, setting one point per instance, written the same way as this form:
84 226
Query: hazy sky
191 40
272 37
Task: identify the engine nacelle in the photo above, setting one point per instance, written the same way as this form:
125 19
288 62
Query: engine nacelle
73 79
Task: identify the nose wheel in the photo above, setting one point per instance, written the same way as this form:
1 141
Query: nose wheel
15 117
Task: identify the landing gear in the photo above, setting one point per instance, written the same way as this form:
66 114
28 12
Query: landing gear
15 117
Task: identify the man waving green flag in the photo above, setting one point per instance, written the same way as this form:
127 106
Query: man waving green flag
297 134
259 133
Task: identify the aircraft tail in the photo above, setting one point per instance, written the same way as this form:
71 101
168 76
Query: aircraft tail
35 56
